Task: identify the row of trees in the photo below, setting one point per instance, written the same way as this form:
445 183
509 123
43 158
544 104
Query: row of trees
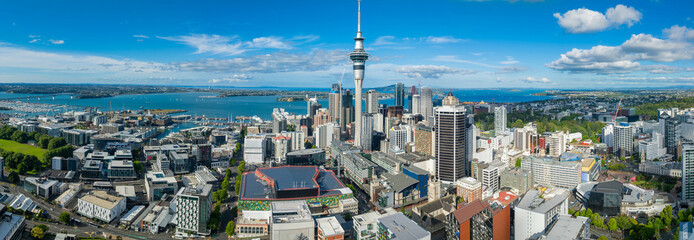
239 177
219 196
666 220
19 162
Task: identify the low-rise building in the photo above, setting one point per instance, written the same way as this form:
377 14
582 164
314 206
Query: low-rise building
469 189
101 205
366 225
121 170
516 178
157 184
291 220
550 172
400 227
569 228
41 187
432 215
12 226
329 229
533 214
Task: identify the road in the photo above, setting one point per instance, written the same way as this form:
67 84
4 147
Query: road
84 229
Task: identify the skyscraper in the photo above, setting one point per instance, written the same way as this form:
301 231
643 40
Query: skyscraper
413 91
500 119
367 128
415 104
426 106
454 143
359 57
334 101
399 94
347 110
372 101
672 131
688 171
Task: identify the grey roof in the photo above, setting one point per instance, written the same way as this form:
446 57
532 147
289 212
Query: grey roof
403 228
530 199
401 181
416 170
566 227
308 151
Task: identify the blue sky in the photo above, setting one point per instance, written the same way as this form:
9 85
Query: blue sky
449 43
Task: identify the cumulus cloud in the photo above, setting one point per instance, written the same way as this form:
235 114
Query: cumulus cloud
584 20
268 63
55 41
223 45
428 71
534 80
678 32
236 78
623 58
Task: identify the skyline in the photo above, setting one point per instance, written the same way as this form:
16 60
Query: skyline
550 44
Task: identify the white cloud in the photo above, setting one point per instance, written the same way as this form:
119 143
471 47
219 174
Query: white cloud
140 36
216 44
384 40
623 15
534 80
236 78
453 58
57 42
442 39
268 42
584 20
678 32
428 71
511 69
213 44
624 58
659 69
11 57
509 61
35 40
268 63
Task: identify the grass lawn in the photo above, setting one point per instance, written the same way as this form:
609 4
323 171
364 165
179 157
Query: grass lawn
22 148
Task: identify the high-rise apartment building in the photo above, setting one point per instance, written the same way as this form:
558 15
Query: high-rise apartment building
347 110
688 171
193 209
500 120
454 143
623 140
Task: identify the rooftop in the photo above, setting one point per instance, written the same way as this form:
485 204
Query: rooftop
532 201
403 228
290 212
262 183
566 227
329 226
102 199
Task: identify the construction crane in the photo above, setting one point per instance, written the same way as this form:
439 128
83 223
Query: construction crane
619 105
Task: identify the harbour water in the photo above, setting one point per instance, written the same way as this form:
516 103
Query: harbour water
205 104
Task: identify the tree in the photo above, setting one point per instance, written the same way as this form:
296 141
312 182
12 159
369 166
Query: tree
43 141
603 238
14 177
138 166
64 217
56 143
39 231
20 137
308 144
518 162
231 228
612 225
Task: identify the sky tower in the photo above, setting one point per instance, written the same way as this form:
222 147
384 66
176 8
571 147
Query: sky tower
359 57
